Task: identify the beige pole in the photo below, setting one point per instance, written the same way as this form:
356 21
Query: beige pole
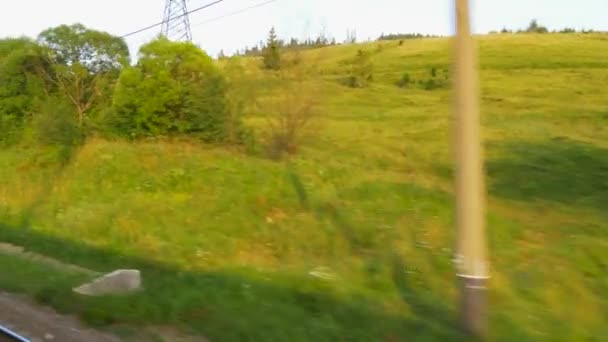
470 212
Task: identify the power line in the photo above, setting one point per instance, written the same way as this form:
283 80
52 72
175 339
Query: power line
176 17
234 13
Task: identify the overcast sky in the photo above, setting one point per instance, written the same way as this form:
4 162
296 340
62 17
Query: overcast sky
296 18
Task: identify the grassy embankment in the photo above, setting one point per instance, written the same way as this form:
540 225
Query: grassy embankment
227 243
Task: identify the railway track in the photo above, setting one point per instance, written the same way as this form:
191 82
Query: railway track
7 335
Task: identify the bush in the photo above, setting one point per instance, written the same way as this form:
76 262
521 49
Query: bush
241 94
361 73
55 124
404 81
430 84
435 81
293 111
174 89
19 86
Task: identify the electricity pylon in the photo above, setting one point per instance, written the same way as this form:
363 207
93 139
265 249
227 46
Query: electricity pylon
176 24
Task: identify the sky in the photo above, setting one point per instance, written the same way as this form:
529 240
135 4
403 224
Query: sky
296 18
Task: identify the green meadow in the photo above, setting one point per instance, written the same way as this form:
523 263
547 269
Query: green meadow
350 239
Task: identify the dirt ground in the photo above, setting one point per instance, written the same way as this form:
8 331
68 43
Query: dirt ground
40 324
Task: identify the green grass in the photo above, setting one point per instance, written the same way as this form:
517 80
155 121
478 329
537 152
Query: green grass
227 242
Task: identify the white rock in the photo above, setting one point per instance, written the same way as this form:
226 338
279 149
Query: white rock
117 282
323 273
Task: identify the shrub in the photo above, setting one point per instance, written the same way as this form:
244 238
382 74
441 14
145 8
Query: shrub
404 81
241 94
435 81
174 89
361 73
293 111
55 124
430 84
19 86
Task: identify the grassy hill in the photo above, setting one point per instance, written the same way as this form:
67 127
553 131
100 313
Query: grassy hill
352 239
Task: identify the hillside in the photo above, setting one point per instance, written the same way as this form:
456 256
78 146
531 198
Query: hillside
352 238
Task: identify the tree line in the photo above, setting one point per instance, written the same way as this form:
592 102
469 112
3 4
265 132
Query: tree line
405 36
322 40
71 82
535 27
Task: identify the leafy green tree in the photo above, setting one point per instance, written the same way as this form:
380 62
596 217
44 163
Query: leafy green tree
19 85
272 54
175 88
86 64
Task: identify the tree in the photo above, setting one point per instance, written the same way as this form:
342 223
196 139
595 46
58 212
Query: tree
535 27
293 111
322 39
272 55
85 64
351 37
175 88
19 85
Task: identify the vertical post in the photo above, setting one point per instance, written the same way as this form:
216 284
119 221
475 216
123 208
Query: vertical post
470 212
